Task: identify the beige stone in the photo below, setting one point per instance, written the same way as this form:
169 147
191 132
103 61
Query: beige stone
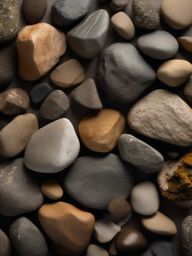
52 189
186 43
40 47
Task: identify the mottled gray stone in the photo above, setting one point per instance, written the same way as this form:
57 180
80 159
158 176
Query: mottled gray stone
186 236
160 248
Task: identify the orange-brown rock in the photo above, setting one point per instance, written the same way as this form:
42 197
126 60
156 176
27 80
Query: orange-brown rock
100 132
68 227
52 189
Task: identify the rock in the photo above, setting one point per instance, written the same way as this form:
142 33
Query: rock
177 14
101 138
118 5
9 20
95 250
160 248
39 92
123 25
52 148
158 45
145 16
130 240
186 42
26 237
112 250
161 106
34 11
188 91
132 75
19 193
91 31
93 189
140 154
186 235
86 95
15 136
160 224
145 198
5 245
68 74
52 189
40 59
174 72
66 13
70 237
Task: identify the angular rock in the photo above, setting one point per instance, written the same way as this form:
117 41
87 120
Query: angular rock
188 90
39 92
118 5
95 250
5 244
160 248
34 11
52 189
186 42
186 236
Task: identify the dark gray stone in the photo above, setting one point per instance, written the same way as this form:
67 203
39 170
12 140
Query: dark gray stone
186 236
34 11
5 244
118 5
39 92
160 248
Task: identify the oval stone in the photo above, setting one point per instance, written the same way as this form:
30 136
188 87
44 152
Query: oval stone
34 10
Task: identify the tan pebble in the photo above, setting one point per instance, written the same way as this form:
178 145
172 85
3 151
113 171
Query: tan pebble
52 189
100 132
186 43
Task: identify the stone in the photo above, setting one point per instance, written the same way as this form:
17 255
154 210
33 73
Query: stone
55 105
86 95
26 237
132 75
160 224
158 45
39 92
118 5
69 237
161 106
39 59
15 136
93 189
101 138
34 11
68 74
140 154
19 193
145 198
176 13
186 42
9 20
95 250
90 31
123 25
105 230
160 248
53 147
188 91
66 13
174 72
5 244
186 236
52 189
145 16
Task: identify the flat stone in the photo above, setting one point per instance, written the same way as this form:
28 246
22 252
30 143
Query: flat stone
186 42
188 91
132 75
101 138
158 45
161 106
39 92
140 154
118 5
91 31
34 11
52 189
186 236
93 189
19 192
5 244
26 237
160 248
40 59
95 250
53 147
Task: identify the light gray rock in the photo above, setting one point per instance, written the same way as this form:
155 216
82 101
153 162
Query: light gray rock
95 250
186 236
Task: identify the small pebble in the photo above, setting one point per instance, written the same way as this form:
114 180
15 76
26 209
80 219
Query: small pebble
160 248
5 244
186 42
186 236
95 250
188 91
34 11
118 5
52 189
39 92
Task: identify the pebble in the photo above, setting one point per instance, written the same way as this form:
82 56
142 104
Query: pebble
27 238
40 59
160 248
186 42
174 72
145 198
101 138
66 13
145 16
160 224
158 45
177 13
15 136
93 189
95 250
39 92
91 31
118 5
86 95
34 11
123 25
5 244
71 237
161 106
188 91
140 154
133 75
52 189
19 192
68 74
186 236
7 67
53 147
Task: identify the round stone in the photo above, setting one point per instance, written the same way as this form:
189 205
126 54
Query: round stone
118 5
95 250
186 42
33 11
52 189
5 244
186 235
39 92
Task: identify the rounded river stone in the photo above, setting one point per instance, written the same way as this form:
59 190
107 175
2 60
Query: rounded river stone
34 10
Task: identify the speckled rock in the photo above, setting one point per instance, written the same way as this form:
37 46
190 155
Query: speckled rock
95 250
39 92
186 236
34 10
5 244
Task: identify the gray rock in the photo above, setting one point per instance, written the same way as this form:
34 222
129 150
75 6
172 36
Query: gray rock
18 192
39 92
34 10
140 154
123 73
186 236
164 116
91 31
27 238
160 248
5 244
118 5
95 250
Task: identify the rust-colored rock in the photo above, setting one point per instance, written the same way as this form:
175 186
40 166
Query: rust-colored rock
52 189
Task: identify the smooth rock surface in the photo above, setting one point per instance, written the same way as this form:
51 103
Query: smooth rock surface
95 250
39 92
52 189
118 5
186 235
186 42
5 244
33 11
160 248
188 91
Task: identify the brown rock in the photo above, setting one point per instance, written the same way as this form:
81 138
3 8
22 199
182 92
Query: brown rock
5 244
100 132
186 43
34 10
188 91
35 60
52 189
